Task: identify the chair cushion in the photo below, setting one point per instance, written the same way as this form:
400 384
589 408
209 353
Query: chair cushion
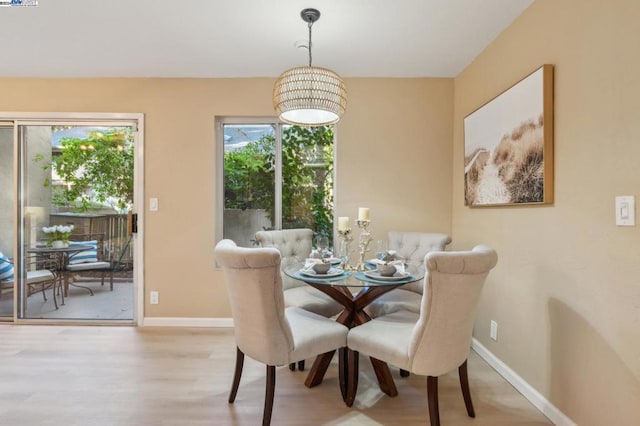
39 275
6 268
88 266
313 300
313 334
394 301
386 338
84 256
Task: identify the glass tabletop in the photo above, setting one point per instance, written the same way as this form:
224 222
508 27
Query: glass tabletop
69 248
351 278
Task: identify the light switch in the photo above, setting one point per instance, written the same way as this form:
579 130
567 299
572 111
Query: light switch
625 210
153 204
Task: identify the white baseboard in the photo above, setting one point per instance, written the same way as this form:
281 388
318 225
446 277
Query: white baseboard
186 322
556 416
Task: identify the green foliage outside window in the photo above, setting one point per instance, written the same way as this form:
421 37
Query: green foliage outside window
95 171
307 177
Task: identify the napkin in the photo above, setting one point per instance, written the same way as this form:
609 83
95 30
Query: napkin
310 261
399 264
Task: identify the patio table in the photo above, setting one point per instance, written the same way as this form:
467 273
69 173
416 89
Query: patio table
61 256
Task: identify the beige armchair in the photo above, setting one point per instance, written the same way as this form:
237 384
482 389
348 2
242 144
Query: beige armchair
264 329
295 246
438 339
412 246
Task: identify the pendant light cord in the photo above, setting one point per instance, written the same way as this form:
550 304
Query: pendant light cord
310 24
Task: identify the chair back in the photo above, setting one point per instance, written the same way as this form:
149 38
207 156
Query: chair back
413 246
252 277
453 281
294 246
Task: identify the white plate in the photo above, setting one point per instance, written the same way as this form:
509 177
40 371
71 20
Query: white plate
334 260
395 277
333 272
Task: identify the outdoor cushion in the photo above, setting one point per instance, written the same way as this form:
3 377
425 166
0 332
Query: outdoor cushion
88 266
85 256
39 275
6 268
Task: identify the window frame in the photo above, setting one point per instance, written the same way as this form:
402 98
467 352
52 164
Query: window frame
277 124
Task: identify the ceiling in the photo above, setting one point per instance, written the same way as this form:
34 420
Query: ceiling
247 38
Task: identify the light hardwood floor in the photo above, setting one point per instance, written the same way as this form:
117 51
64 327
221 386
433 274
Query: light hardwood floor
127 376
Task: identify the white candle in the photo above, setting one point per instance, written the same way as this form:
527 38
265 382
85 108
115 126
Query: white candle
343 223
363 213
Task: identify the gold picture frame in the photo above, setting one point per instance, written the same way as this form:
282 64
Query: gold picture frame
508 145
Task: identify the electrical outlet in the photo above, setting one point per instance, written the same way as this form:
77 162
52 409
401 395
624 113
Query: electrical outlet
493 333
154 297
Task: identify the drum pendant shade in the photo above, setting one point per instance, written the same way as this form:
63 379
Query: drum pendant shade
308 95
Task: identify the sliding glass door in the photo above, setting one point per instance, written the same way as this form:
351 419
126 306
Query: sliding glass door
7 221
72 248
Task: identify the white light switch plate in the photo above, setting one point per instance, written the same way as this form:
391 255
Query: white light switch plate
153 204
625 210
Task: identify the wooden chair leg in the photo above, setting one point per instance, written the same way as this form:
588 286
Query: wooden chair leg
464 384
292 366
268 396
236 375
432 397
301 365
352 380
404 373
343 371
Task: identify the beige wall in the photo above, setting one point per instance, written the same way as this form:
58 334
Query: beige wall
566 291
394 143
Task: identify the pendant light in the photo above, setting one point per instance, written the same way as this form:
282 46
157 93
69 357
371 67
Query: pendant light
308 95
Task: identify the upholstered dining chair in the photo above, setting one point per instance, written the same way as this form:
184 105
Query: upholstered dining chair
264 328
438 339
295 246
411 246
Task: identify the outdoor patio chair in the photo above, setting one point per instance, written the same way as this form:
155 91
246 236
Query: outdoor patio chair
94 262
41 275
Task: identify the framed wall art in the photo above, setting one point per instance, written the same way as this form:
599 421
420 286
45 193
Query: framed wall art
508 145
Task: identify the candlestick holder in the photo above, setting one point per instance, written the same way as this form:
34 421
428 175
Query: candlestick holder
363 242
345 247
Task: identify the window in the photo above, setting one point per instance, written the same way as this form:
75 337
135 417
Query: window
274 176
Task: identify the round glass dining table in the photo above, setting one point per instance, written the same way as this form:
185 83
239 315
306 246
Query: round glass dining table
354 290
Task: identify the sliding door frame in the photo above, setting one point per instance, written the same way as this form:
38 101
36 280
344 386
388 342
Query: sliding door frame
135 120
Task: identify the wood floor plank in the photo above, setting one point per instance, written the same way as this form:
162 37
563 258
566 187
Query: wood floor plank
128 376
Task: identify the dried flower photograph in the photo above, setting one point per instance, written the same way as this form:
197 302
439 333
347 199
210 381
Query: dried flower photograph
508 145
